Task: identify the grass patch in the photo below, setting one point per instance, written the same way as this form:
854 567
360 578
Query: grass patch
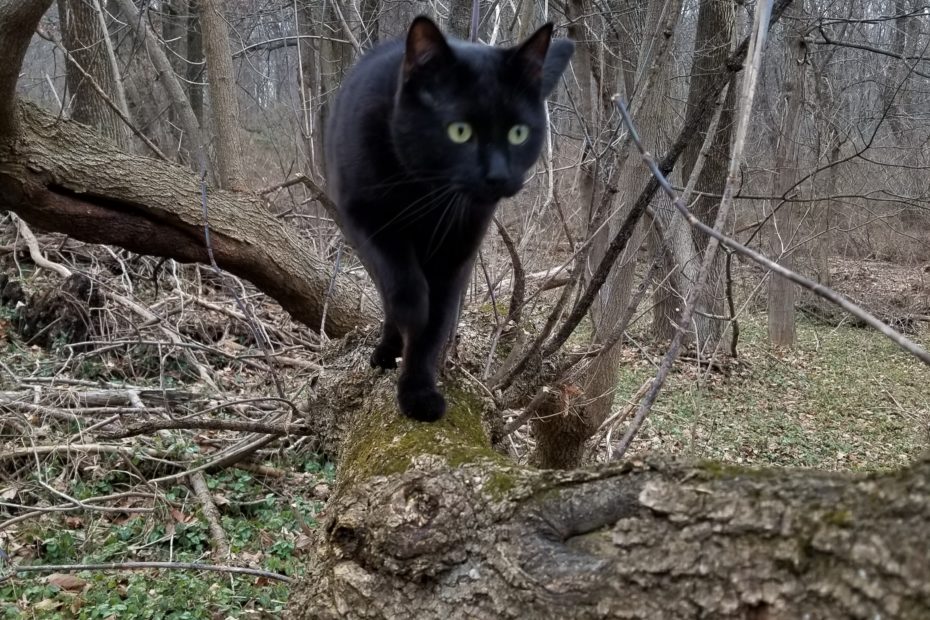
844 398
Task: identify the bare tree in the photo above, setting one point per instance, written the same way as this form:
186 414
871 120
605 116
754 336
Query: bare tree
86 40
224 104
714 38
170 82
564 434
781 292
195 59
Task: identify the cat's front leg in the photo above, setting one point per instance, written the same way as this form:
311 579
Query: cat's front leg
403 291
389 348
417 393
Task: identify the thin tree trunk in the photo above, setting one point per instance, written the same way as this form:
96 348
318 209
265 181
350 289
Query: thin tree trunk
224 105
653 125
561 432
195 64
712 45
168 79
174 32
334 60
600 379
904 42
309 85
88 43
821 247
781 292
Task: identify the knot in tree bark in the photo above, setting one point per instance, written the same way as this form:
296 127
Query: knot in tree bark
415 525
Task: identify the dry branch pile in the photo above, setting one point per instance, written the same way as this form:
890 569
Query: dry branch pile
897 294
134 364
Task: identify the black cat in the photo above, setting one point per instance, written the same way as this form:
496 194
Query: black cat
424 139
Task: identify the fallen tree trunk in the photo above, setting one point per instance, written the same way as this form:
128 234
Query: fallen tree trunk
427 521
59 176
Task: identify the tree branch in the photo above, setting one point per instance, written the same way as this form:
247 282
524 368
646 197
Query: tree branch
61 177
18 19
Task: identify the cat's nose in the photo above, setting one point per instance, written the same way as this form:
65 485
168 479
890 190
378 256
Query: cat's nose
498 173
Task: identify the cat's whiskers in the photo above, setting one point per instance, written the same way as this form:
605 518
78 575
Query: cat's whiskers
404 178
434 199
453 206
417 209
430 248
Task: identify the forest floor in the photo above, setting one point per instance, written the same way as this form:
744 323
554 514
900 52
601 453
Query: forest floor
844 399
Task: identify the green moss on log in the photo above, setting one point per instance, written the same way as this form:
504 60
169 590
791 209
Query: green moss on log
383 442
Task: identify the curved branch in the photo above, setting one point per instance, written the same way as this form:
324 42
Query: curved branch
59 176
18 20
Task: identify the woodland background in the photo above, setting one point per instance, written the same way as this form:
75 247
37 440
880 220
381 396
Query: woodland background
163 403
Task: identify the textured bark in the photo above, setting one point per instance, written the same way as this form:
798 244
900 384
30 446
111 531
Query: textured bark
195 56
427 521
711 48
57 175
18 19
84 35
224 106
174 90
459 22
781 292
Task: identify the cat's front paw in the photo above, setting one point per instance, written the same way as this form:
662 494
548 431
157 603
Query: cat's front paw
384 357
423 403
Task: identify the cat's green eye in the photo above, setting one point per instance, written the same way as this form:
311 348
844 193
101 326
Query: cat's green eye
518 134
460 133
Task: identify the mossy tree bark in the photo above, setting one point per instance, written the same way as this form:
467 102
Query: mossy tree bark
427 521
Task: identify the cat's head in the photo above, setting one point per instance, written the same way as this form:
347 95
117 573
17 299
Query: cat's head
472 116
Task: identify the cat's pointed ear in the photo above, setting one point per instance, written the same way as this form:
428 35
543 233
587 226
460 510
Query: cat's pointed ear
544 60
425 44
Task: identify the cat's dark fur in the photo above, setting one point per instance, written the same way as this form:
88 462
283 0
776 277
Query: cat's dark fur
414 202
